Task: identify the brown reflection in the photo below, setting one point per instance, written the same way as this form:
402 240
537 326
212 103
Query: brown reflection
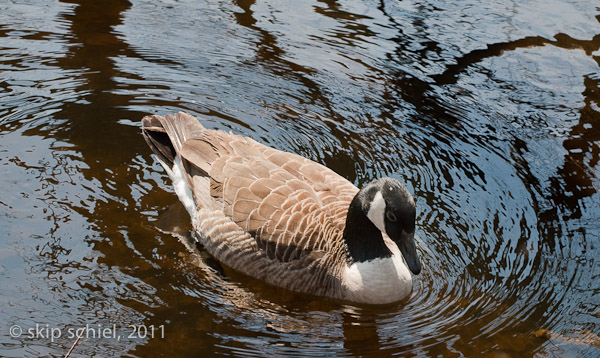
351 22
564 41
360 334
272 56
130 244
557 199
110 149
92 122
575 179
404 85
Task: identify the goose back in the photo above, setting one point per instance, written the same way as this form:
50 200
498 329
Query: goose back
274 215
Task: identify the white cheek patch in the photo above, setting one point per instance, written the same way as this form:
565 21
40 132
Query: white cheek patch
377 211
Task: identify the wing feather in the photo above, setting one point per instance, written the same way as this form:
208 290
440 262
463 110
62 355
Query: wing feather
292 206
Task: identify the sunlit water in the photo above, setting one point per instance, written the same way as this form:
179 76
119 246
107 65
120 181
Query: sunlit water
488 111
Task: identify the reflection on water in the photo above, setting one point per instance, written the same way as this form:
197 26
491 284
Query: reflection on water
488 112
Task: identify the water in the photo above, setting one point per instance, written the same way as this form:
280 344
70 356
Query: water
488 111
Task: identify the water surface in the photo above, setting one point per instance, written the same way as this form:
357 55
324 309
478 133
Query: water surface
488 111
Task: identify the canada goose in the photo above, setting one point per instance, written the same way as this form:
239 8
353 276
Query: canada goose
287 220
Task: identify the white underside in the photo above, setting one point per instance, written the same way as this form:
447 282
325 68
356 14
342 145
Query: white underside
378 281
182 189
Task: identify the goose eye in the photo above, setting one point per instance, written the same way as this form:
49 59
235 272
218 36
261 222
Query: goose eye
390 216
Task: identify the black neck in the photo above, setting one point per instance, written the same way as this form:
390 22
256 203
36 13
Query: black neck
362 238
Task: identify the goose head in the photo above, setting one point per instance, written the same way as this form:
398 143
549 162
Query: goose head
383 206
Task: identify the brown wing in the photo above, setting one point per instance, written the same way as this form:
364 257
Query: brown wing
289 204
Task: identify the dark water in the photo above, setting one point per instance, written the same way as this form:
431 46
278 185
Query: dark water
488 111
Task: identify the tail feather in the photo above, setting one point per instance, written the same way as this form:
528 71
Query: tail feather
178 141
166 135
180 127
167 138
158 140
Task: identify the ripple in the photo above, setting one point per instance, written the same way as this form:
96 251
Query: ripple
494 133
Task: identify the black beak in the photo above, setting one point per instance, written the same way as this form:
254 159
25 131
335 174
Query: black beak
407 246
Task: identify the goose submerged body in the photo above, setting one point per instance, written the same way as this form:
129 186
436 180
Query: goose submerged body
285 219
